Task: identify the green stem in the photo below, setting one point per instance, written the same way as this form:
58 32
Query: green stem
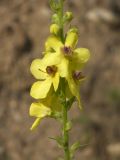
64 109
65 133
61 20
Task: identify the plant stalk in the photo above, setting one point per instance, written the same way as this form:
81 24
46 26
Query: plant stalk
61 20
64 109
65 133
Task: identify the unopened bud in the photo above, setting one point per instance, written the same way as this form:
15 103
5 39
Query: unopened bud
54 29
73 29
68 17
55 19
71 39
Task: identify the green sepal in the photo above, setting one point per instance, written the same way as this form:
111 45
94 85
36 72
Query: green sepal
56 115
61 91
68 126
70 102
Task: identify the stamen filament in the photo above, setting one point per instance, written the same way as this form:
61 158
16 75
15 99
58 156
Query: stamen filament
42 71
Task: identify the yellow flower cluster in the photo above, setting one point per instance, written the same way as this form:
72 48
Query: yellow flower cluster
60 61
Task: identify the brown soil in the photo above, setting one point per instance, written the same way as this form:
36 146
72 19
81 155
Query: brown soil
24 26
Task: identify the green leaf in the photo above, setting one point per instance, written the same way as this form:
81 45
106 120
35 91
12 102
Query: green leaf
75 147
59 140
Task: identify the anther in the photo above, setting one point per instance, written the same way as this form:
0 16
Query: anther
77 75
67 51
51 70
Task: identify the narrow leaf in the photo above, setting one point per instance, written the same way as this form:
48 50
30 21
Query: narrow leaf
59 140
75 146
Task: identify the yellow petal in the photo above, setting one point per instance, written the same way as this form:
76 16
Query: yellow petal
53 43
51 59
63 67
71 39
74 90
40 89
35 124
37 68
80 57
55 80
39 110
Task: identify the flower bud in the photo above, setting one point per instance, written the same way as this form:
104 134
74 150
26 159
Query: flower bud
54 29
73 29
71 39
55 19
68 17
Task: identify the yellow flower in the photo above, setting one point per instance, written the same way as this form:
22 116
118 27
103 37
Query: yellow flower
71 59
44 108
40 111
46 71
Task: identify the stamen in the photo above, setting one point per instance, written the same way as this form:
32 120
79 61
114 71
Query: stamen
67 51
77 75
51 70
41 70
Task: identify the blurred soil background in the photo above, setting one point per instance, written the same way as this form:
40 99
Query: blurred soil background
24 27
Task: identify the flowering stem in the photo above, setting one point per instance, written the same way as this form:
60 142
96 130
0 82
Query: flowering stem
61 20
65 133
64 109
